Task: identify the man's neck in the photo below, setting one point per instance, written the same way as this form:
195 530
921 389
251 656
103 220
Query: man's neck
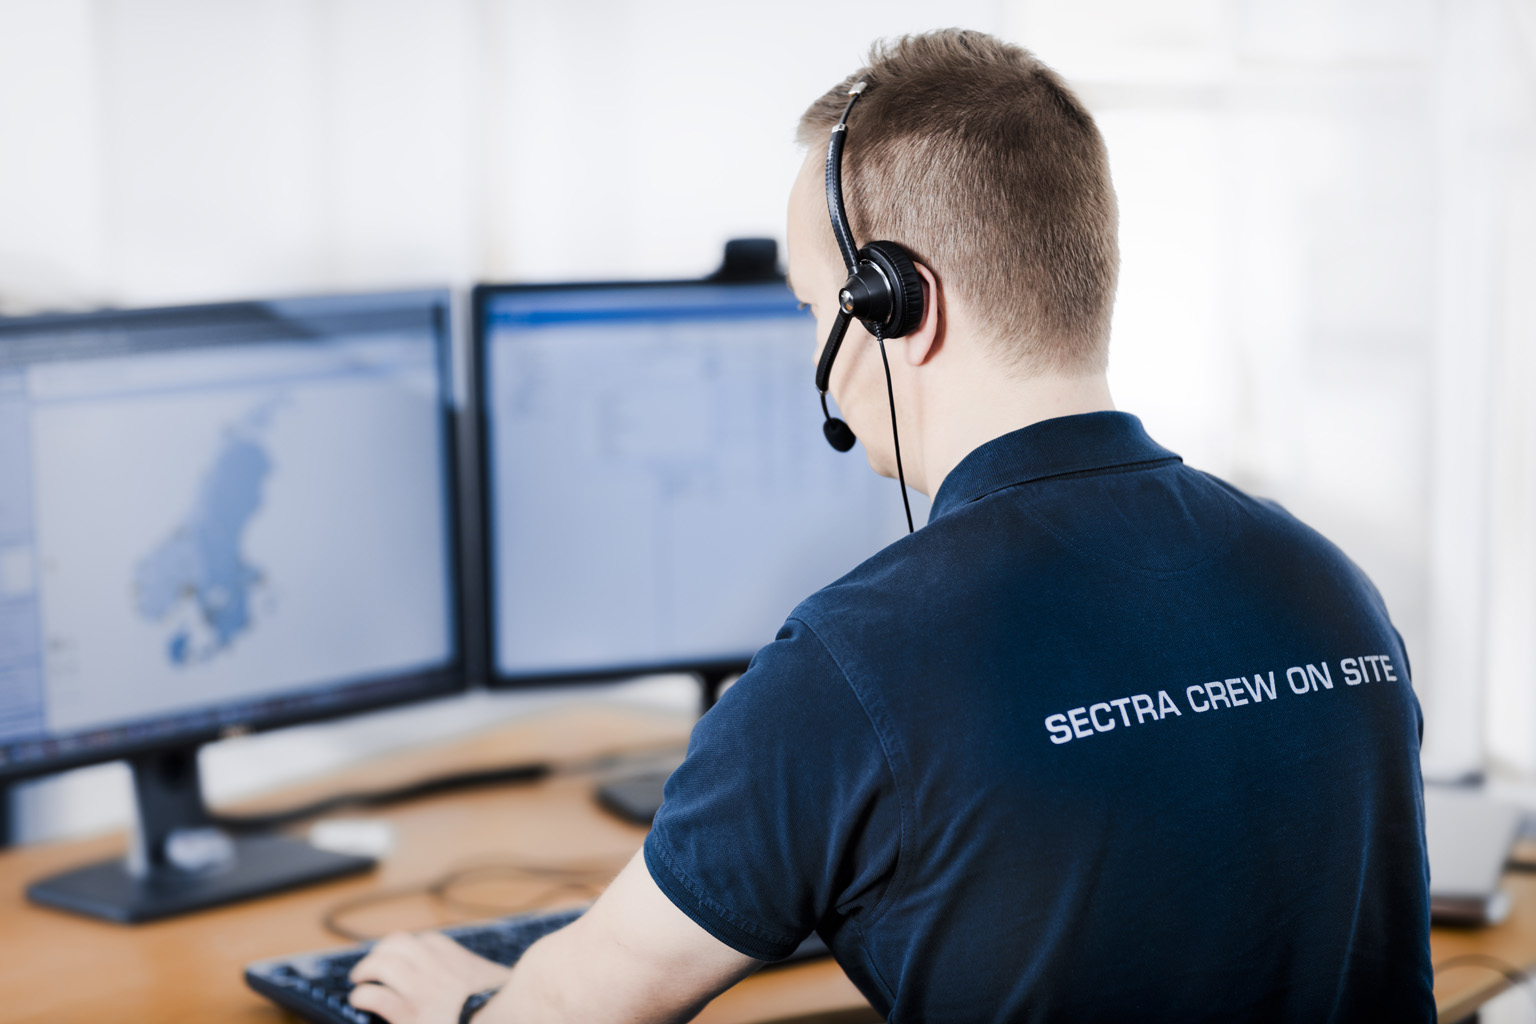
986 406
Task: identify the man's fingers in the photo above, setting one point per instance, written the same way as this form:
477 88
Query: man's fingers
385 1002
387 968
390 955
420 978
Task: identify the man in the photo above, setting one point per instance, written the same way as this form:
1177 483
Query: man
1107 739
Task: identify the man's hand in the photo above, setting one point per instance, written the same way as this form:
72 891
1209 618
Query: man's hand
421 979
634 957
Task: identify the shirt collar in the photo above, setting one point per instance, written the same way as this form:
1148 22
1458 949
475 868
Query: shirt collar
1086 443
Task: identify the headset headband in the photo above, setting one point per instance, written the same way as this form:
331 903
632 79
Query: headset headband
834 181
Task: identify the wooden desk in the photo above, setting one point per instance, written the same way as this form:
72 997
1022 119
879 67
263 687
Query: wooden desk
61 969
1459 991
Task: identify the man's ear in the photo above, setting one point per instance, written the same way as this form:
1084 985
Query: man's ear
927 338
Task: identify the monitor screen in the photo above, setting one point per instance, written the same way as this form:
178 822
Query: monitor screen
659 493
221 517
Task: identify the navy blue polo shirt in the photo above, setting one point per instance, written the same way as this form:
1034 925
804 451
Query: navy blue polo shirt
1108 739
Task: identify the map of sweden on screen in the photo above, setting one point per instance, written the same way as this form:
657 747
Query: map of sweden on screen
211 544
198 578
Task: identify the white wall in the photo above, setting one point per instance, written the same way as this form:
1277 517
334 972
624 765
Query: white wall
1328 225
161 151
51 210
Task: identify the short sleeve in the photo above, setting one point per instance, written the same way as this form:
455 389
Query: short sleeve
785 810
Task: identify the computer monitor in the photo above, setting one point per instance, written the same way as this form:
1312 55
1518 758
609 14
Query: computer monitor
658 491
217 519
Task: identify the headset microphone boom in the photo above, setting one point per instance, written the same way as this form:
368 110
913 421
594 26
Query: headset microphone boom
883 291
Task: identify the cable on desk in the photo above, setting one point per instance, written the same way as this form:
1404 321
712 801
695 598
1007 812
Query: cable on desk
1515 976
532 771
587 881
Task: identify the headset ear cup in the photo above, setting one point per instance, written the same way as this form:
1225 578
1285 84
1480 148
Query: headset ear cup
907 304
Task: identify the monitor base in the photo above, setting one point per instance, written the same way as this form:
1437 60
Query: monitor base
259 865
178 860
636 798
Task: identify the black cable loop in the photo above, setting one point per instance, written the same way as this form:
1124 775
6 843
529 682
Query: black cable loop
585 880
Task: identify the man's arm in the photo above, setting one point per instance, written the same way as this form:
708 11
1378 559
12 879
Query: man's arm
633 957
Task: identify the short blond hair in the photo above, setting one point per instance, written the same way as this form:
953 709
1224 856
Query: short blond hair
980 160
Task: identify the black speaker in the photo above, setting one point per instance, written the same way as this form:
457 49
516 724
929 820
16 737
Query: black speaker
747 260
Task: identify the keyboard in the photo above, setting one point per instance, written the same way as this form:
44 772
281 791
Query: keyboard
315 985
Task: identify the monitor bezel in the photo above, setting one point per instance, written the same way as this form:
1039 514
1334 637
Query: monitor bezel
495 678
380 692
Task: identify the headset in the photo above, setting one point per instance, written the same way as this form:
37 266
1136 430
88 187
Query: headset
883 291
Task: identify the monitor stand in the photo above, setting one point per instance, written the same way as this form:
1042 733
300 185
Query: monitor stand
178 862
637 797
